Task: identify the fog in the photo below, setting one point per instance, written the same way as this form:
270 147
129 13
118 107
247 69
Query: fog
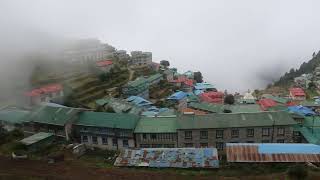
237 45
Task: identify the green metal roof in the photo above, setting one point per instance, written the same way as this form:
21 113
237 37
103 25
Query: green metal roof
14 116
110 120
156 125
52 115
275 98
216 108
119 105
247 101
229 120
278 108
36 138
154 77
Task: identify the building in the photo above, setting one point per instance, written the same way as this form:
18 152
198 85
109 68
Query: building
156 132
155 79
106 130
215 130
277 99
179 100
169 158
140 59
48 93
140 102
105 65
117 105
297 94
265 103
87 50
138 87
212 97
205 86
168 74
272 153
56 120
189 74
11 119
155 66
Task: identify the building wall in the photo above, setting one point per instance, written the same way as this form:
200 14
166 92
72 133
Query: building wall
212 139
156 140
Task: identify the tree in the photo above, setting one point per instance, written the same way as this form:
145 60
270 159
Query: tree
229 99
198 77
298 172
165 63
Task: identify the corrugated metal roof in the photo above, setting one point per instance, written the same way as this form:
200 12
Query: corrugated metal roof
156 125
227 120
275 98
251 152
139 101
203 86
301 110
169 157
178 95
14 116
35 138
110 120
154 77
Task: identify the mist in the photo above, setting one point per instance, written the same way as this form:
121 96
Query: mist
237 45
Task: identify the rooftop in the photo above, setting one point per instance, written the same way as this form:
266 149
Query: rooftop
154 77
275 98
202 86
169 157
14 116
178 95
297 91
139 101
272 152
103 63
156 125
137 82
36 138
44 90
110 120
229 120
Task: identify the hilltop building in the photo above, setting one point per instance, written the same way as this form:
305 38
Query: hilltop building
105 65
138 87
140 59
179 100
297 94
48 93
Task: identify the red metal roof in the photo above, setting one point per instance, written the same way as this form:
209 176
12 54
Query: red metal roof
45 89
212 97
183 79
104 63
297 92
266 103
250 153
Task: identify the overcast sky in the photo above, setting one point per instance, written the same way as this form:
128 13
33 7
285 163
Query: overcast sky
235 44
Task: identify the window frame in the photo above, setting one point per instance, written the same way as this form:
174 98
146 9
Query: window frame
233 135
202 136
185 134
249 130
268 130
283 131
218 135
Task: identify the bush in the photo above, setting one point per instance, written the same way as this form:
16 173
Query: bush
298 172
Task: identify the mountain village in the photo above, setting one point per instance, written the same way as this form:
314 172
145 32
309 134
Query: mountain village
150 114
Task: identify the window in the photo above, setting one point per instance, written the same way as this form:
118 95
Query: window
280 131
94 140
125 143
84 138
235 133
203 134
188 134
114 142
265 141
168 145
104 140
153 136
219 134
296 133
188 145
280 141
203 144
144 145
219 146
265 131
250 141
250 132
144 136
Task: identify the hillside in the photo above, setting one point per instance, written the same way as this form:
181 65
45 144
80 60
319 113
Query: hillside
305 68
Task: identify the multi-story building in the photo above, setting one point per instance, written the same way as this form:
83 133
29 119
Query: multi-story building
214 130
154 79
156 132
297 94
48 93
56 120
138 87
106 130
168 74
87 50
140 59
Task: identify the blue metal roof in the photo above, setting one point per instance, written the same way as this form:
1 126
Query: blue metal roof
198 92
139 101
301 110
289 149
178 95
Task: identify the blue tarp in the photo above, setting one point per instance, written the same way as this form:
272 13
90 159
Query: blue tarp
289 149
139 101
301 110
178 95
198 92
